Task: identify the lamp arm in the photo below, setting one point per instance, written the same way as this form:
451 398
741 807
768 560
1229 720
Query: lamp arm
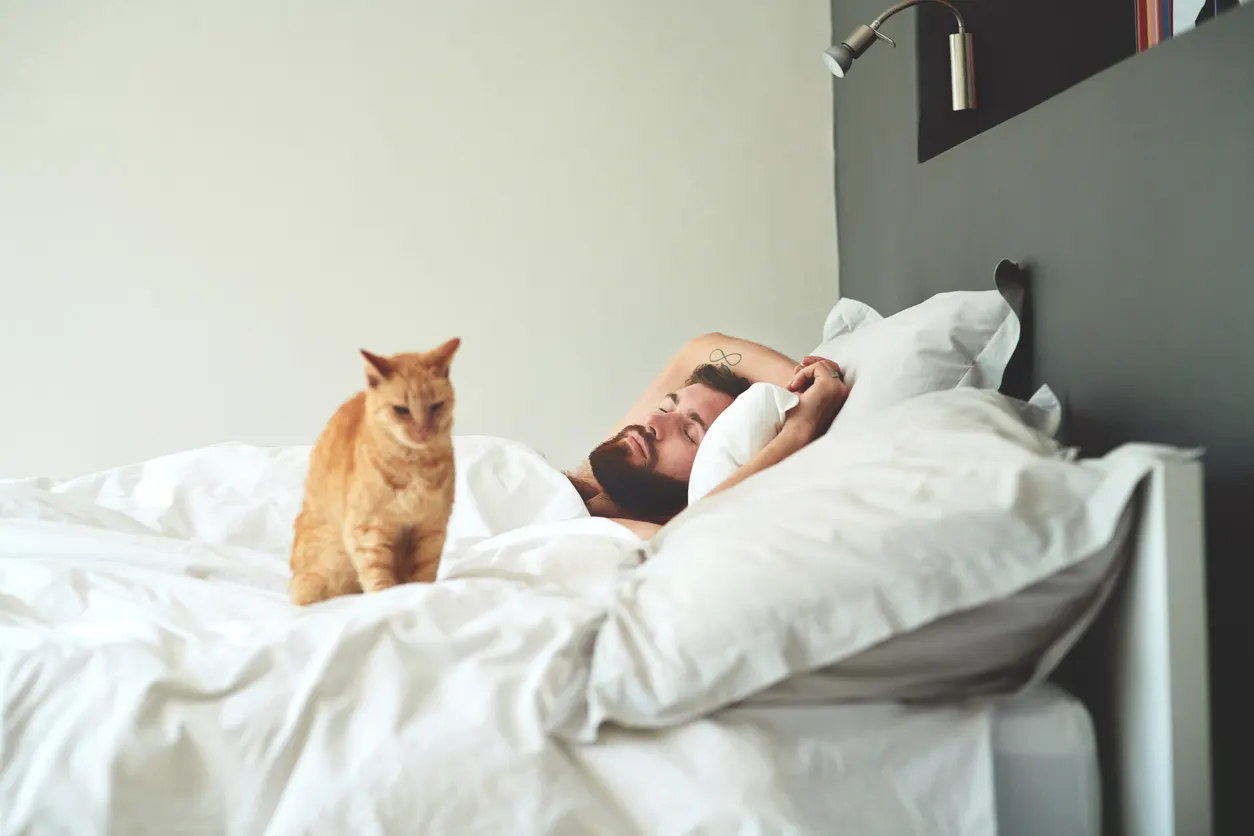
901 7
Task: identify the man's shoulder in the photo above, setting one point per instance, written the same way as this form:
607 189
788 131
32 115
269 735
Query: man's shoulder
581 479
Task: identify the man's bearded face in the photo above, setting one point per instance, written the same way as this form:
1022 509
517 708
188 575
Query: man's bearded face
637 487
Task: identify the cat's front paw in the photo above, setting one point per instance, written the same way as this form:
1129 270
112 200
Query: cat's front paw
378 582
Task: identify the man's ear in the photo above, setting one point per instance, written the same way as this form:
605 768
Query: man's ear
442 357
377 368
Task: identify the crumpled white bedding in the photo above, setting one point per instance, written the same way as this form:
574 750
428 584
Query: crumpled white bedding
155 679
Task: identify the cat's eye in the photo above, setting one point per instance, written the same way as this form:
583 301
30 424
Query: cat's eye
435 408
401 410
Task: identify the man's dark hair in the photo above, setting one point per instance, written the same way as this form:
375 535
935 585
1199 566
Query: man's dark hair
719 378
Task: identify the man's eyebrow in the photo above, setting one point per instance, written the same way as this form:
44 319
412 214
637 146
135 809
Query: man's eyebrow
692 413
672 397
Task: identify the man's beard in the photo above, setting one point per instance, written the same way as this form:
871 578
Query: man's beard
639 490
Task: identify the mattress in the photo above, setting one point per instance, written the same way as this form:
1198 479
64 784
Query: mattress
1043 772
1045 769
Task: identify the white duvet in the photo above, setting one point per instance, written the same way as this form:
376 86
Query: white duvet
155 679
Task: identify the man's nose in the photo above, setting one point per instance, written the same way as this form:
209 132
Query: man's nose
659 423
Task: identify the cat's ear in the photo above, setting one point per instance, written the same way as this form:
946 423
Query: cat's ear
377 368
442 357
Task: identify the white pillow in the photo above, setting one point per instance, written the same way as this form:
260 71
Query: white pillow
945 504
743 429
1041 412
757 415
974 323
848 315
953 340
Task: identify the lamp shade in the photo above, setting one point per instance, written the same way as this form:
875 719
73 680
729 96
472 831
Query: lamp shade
839 59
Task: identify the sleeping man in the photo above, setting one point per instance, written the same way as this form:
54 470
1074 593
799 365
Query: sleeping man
639 476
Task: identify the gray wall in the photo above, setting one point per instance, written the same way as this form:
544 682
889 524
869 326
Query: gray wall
1131 199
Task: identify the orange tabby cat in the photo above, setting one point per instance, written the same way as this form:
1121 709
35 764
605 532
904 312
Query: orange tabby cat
380 485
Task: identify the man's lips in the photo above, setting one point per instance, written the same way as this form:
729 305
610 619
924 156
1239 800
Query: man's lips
637 443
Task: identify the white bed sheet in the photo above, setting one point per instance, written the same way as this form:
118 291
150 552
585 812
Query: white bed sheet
864 769
155 679
1045 767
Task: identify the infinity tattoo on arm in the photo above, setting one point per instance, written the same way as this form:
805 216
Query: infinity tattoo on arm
723 358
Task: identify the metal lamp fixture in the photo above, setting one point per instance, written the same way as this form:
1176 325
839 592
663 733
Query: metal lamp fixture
961 72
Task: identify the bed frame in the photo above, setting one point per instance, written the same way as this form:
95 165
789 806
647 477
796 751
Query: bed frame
1142 668
1143 673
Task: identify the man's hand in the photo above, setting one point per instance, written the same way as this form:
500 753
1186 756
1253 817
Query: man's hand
823 392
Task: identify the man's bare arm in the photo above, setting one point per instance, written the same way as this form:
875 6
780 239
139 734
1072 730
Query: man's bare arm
752 361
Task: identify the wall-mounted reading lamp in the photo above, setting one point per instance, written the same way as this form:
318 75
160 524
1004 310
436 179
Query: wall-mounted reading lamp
840 58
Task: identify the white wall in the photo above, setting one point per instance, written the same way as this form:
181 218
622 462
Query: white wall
206 208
